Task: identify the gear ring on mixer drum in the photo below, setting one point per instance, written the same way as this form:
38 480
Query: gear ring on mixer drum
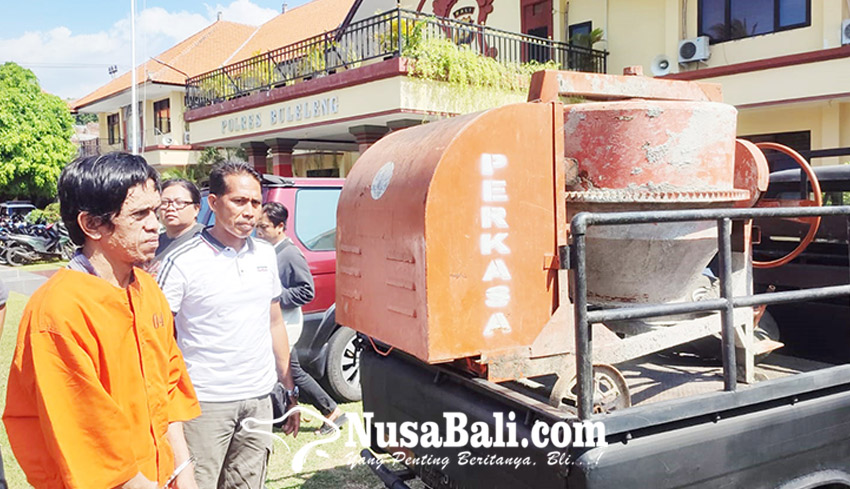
610 390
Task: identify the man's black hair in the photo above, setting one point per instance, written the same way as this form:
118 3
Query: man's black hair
277 213
98 185
189 186
226 168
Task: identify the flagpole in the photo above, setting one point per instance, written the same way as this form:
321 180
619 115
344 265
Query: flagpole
134 104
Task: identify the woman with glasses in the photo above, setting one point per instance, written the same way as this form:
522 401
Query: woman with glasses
181 201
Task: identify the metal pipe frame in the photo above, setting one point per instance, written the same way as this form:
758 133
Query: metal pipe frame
727 318
584 319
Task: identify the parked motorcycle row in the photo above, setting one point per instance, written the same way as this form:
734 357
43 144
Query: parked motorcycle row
22 243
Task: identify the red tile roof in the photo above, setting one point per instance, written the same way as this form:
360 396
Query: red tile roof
299 23
225 42
204 51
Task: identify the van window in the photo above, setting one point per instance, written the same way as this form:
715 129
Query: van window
315 217
205 214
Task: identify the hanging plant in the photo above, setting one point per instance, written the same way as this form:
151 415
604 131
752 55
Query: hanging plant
442 60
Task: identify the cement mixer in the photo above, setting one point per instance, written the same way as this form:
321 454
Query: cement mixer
468 219
517 260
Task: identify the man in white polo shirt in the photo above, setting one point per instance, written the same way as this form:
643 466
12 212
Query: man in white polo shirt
223 288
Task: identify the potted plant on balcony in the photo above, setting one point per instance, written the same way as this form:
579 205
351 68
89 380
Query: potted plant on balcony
412 33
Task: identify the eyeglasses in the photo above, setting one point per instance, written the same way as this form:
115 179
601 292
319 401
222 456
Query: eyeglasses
178 205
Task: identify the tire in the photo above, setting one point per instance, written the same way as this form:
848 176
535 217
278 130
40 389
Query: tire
343 370
17 256
610 391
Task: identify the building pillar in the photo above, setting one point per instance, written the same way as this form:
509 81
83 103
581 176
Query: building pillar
282 155
256 153
367 135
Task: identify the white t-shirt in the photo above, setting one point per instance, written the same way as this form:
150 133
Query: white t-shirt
221 298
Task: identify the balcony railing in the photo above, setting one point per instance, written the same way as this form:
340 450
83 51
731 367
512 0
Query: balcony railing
395 33
88 147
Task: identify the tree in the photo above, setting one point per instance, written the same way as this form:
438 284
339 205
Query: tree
83 119
35 136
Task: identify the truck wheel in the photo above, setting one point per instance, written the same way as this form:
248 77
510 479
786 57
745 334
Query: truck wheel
343 370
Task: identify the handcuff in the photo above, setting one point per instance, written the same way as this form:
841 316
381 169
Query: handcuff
291 396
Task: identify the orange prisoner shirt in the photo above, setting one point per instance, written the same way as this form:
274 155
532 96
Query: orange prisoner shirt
95 381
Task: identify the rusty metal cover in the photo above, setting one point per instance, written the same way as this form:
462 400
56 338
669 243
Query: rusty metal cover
653 151
446 231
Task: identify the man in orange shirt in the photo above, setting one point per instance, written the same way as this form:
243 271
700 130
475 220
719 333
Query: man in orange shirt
98 389
4 296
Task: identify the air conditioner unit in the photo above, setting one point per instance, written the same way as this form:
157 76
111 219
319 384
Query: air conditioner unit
845 32
167 141
186 137
692 50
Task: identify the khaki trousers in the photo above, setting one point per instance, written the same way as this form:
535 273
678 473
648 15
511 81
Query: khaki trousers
227 456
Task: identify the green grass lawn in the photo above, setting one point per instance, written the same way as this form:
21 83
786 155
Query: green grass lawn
326 467
329 465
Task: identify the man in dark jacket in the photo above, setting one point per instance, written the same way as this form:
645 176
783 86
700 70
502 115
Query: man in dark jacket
297 283
292 268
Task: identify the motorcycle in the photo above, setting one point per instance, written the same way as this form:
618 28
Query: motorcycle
3 246
53 242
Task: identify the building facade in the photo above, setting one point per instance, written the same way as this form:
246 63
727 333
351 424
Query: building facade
304 93
309 90
785 64
309 108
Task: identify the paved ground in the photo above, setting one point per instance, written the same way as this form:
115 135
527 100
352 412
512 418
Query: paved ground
23 280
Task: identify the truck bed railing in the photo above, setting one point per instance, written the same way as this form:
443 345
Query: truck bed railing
726 304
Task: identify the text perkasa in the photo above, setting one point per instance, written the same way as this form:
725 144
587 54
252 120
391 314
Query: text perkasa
279 115
494 227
